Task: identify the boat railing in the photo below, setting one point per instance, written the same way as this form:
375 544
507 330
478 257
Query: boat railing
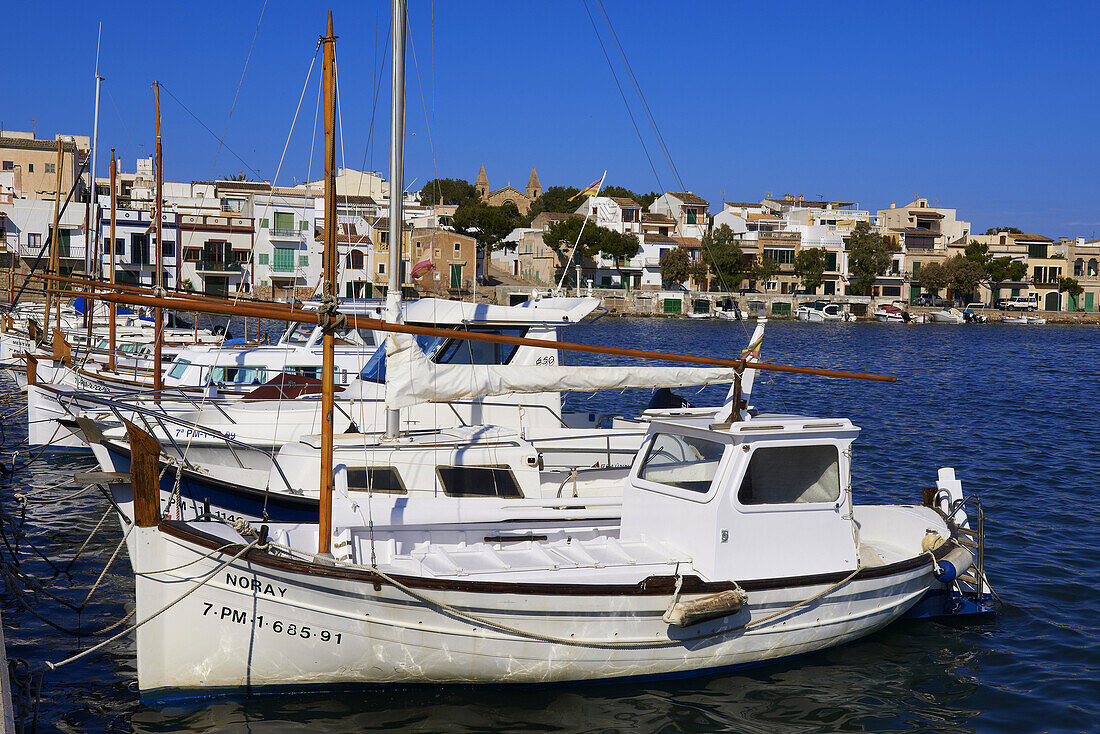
145 415
973 538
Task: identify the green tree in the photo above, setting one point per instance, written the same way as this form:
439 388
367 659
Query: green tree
675 264
933 277
963 275
1071 287
1010 230
809 266
979 253
699 272
764 270
450 190
489 225
869 256
238 176
1004 270
722 252
555 199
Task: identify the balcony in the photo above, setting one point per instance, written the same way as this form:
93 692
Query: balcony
217 266
288 234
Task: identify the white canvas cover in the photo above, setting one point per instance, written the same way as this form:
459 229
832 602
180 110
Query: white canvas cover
412 379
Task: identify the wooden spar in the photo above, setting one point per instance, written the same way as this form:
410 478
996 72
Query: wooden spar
158 338
150 290
328 292
53 241
114 306
362 322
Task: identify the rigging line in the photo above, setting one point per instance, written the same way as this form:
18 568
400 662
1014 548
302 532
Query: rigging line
236 94
339 121
623 95
641 95
141 112
207 128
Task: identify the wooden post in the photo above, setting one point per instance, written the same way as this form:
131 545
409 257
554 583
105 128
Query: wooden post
54 269
158 338
32 369
114 307
144 460
328 288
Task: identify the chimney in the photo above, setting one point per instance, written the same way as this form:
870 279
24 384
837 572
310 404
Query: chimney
893 205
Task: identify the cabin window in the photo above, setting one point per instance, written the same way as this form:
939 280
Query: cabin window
466 351
685 462
380 479
314 372
179 368
478 481
786 474
240 375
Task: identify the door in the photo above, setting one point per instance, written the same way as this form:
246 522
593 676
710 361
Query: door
139 249
217 285
1053 301
456 276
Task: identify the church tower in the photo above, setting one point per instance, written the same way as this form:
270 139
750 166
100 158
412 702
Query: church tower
534 188
482 183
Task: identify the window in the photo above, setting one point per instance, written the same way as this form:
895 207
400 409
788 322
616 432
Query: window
789 474
51 168
685 462
1038 251
240 375
830 261
782 257
120 246
192 254
9 165
168 249
179 368
381 479
1079 266
466 351
30 168
264 258
692 216
381 268
458 247
263 223
34 240
355 260
303 261
478 481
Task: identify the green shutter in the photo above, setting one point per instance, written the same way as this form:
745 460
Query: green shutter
349 290
284 220
302 225
284 260
263 224
264 258
303 261
673 305
456 276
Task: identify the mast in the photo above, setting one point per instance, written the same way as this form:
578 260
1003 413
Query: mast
114 307
54 268
328 292
397 173
91 227
158 341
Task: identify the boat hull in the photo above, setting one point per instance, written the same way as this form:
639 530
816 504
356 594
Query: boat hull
269 623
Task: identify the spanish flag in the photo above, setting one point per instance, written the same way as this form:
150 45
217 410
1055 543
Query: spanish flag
592 189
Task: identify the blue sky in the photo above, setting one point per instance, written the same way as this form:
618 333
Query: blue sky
986 107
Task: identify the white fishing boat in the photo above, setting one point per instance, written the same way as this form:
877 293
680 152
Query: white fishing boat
1023 319
698 575
821 311
947 316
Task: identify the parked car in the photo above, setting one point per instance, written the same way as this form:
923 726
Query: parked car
1029 302
747 291
929 300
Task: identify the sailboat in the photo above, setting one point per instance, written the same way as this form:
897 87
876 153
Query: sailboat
738 541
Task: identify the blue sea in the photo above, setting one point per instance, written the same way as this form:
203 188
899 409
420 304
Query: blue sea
1012 408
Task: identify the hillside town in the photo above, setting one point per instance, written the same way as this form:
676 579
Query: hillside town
233 236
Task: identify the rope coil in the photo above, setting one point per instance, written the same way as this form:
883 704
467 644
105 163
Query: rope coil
328 317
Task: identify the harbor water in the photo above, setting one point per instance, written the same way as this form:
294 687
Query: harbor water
1012 408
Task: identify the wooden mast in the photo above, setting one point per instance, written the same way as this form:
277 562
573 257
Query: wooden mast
328 292
114 307
158 340
54 268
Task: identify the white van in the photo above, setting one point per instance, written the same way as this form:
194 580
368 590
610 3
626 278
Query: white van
1025 302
